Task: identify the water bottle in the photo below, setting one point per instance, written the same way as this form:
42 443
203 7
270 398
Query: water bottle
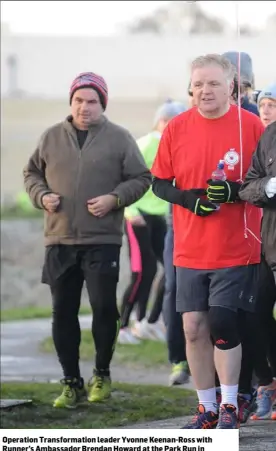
219 174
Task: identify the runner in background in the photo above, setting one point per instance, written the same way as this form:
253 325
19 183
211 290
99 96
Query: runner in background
247 79
146 227
267 104
173 321
256 191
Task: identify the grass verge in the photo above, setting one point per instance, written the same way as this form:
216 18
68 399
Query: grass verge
33 312
36 312
129 404
147 353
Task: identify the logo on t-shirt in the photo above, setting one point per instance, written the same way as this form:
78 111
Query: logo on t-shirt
231 158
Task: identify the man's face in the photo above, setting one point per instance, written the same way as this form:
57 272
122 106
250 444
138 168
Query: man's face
267 109
86 107
211 89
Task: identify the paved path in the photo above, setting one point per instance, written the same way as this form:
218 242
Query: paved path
255 436
22 361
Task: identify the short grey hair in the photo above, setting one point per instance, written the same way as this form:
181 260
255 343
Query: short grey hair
215 59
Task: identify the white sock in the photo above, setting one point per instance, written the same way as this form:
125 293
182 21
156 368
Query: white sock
229 395
208 399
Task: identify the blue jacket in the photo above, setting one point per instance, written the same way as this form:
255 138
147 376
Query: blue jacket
251 107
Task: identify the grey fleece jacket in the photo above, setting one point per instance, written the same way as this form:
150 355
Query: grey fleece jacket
109 162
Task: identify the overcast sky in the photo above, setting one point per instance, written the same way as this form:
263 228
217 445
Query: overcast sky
105 17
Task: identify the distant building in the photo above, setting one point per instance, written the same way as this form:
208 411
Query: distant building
149 66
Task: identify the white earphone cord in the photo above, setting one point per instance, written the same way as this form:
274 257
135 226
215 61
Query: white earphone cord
246 229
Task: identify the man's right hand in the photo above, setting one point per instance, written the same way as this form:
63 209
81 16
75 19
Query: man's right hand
50 202
197 205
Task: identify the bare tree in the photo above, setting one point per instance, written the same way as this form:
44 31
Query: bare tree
247 30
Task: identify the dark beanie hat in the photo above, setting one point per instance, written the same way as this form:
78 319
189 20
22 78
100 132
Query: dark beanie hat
90 80
246 65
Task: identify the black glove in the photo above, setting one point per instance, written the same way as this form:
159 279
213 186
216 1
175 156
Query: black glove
222 192
198 206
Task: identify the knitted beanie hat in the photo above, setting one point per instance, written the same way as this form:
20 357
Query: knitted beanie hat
168 110
268 93
246 66
90 80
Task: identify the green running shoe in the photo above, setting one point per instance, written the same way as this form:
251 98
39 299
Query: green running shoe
99 387
179 374
72 395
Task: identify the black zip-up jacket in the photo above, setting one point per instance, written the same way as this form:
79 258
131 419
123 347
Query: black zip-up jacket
262 168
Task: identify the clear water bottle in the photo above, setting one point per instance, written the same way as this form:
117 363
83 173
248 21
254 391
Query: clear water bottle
219 174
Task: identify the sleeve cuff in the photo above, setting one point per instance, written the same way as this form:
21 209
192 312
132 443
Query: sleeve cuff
39 199
119 203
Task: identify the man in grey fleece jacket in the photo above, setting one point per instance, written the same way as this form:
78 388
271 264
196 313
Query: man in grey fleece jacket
83 173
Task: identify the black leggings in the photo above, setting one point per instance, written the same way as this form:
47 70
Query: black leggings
146 245
173 319
265 335
247 333
258 335
99 267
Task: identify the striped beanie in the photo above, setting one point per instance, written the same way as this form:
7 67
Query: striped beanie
90 80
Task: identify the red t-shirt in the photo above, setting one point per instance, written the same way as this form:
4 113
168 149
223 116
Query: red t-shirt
189 151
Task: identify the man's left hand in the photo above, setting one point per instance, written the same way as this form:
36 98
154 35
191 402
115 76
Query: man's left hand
222 192
101 205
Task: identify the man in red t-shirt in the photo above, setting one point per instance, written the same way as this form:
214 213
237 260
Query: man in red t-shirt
216 250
